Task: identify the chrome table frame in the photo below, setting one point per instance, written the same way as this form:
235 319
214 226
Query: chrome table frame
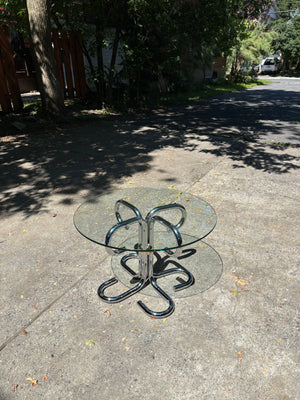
145 255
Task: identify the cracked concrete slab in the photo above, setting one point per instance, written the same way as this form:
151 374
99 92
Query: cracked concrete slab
237 340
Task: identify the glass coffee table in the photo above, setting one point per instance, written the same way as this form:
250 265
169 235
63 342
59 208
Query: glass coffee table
150 233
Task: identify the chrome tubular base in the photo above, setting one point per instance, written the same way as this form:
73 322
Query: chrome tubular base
146 274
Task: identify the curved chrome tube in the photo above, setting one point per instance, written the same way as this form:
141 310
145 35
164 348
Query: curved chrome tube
125 266
122 223
117 226
158 314
128 205
179 269
168 225
122 296
173 205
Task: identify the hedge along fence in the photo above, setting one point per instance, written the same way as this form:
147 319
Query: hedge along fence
70 63
9 87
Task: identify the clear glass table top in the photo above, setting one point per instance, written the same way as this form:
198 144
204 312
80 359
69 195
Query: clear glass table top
119 218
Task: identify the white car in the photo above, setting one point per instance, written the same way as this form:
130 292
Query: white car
270 65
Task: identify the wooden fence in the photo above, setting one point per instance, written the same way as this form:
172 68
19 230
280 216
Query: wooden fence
9 87
70 63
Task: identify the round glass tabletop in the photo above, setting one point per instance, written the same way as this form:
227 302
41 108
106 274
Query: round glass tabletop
125 219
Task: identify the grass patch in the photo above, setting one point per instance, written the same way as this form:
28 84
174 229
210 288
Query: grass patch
202 91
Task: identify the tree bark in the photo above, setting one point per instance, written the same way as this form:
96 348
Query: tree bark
100 64
40 38
112 65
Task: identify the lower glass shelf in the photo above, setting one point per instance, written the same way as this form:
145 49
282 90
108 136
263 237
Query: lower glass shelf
201 260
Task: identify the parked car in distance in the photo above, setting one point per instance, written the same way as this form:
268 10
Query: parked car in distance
271 65
257 67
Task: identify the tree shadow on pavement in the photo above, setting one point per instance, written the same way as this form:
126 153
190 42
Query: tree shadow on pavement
97 155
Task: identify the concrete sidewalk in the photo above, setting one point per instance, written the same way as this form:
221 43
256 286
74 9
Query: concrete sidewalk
237 340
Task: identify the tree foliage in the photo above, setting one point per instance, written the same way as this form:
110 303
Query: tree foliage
159 41
288 34
254 44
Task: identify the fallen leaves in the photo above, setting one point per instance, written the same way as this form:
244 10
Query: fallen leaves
107 312
89 342
24 332
33 381
240 354
241 282
15 387
123 340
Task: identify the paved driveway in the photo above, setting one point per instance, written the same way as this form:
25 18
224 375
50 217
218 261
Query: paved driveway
237 340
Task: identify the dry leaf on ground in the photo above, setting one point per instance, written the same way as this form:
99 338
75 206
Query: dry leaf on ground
33 381
241 282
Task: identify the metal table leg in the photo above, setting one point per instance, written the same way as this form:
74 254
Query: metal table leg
145 255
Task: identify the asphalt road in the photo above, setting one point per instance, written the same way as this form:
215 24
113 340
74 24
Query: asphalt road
268 113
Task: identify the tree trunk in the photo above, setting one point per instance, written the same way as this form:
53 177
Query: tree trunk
100 64
112 66
40 38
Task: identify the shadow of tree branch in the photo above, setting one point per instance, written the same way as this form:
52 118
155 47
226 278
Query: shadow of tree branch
97 155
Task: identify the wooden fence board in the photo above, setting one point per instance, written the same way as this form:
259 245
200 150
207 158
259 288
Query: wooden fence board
67 64
9 71
4 94
70 63
57 55
80 64
73 49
